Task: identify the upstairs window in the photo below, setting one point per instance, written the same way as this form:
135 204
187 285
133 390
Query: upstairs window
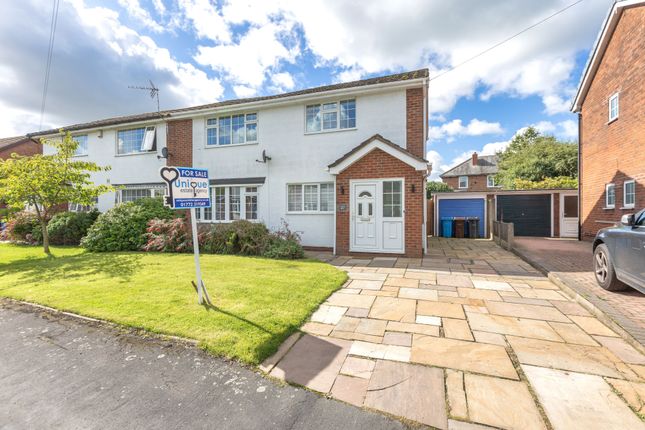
610 196
81 149
629 194
232 130
310 197
330 116
613 107
463 182
136 140
490 181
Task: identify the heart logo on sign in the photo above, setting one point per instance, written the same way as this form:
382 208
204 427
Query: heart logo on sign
169 174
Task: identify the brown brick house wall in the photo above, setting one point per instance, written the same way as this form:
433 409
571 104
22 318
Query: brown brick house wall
415 142
613 152
25 147
475 183
179 140
378 164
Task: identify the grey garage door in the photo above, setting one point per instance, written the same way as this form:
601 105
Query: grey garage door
529 213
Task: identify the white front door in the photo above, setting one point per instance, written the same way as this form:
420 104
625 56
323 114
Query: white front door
568 215
377 216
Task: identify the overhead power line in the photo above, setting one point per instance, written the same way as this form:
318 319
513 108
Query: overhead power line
505 40
48 63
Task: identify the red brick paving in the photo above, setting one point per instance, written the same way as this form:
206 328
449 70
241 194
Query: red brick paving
571 262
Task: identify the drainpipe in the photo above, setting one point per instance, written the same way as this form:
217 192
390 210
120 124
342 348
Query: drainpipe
579 175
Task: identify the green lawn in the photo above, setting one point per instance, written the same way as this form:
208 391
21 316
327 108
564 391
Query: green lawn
257 302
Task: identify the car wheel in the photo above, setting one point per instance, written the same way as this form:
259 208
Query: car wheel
604 270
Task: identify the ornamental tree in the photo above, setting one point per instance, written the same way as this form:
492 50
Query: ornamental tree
45 182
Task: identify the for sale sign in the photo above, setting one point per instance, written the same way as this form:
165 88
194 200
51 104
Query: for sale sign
186 187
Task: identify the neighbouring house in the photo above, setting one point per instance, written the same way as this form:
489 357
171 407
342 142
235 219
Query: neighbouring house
475 174
21 145
611 115
342 164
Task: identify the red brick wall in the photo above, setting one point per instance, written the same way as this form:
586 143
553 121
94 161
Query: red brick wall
613 153
26 148
179 140
415 121
475 183
378 164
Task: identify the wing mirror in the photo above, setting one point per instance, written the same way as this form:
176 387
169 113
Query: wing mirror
627 220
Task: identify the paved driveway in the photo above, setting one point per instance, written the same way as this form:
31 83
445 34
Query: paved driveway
571 262
57 372
470 334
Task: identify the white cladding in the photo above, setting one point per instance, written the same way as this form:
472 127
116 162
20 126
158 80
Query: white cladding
296 157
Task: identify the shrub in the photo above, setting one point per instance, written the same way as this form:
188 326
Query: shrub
280 248
123 227
239 237
171 235
23 227
68 228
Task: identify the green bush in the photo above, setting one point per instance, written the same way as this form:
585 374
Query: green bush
68 228
123 227
23 227
280 248
239 237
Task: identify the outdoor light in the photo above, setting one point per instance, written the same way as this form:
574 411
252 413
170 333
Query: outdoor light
342 190
412 188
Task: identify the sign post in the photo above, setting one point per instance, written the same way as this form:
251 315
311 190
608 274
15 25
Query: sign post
188 188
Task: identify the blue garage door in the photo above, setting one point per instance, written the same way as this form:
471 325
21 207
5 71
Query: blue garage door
463 208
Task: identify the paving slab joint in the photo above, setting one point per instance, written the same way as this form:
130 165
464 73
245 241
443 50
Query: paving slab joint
584 302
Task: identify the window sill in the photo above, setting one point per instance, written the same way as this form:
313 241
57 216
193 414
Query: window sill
136 153
612 120
609 208
336 130
80 155
231 145
630 207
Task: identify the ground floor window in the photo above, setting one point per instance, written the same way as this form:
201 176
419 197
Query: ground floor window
231 204
75 207
310 198
132 194
629 194
610 196
392 199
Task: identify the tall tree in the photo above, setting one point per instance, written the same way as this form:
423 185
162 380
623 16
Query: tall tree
533 158
45 182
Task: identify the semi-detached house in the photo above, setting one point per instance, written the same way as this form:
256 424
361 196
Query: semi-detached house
341 164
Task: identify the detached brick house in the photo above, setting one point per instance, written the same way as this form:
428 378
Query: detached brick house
611 112
342 164
475 174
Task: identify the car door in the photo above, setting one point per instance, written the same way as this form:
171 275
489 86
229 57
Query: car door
636 260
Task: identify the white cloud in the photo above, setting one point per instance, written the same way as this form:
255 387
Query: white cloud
206 20
248 61
544 127
141 15
494 147
283 81
568 129
455 128
159 7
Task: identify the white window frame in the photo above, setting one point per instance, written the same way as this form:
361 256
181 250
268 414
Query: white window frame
81 154
614 97
319 195
149 141
625 204
489 179
337 111
216 126
607 205
151 191
227 204
459 182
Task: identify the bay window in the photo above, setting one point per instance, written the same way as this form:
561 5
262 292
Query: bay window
310 198
232 130
336 115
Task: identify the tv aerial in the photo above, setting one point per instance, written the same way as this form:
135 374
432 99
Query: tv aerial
154 91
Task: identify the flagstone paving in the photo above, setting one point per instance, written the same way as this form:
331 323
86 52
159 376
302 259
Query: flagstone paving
470 337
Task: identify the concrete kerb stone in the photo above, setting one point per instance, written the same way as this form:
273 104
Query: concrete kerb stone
584 302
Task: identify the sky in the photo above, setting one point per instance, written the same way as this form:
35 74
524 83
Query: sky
202 51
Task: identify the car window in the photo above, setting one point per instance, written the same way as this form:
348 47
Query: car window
640 221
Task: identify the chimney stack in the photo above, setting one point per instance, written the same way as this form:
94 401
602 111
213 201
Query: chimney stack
474 158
